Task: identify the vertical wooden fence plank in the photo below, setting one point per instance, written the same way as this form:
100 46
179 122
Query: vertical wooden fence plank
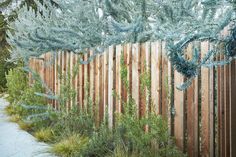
59 75
124 81
53 78
76 78
226 109
135 73
148 71
179 106
205 105
118 78
81 84
101 87
156 76
105 81
212 108
92 79
190 112
56 79
71 55
196 111
164 82
220 102
85 84
129 69
142 90
96 88
232 109
110 86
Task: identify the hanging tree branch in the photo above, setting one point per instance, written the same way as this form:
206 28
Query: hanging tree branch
79 25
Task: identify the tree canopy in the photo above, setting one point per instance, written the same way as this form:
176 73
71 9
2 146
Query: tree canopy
79 25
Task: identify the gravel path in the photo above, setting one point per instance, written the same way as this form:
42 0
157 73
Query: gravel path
15 142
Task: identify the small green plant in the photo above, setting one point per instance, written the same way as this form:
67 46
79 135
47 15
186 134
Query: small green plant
17 82
25 126
69 146
15 118
10 110
45 135
101 143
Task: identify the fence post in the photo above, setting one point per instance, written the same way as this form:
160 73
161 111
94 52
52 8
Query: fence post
156 76
111 79
233 109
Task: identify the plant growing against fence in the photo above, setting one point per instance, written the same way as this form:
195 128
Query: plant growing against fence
17 82
76 132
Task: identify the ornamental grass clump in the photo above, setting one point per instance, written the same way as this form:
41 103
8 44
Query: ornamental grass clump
45 135
71 145
15 118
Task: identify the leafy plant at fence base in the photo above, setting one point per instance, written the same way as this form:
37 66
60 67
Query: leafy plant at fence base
45 135
15 118
17 82
71 145
76 133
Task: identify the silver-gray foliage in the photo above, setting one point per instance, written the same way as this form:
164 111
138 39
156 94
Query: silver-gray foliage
79 25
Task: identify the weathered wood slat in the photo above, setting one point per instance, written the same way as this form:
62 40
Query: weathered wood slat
135 74
164 83
179 107
212 108
85 84
124 83
232 109
111 87
81 85
148 71
190 111
105 82
56 79
118 78
156 76
92 79
205 105
226 108
143 77
129 69
221 112
101 88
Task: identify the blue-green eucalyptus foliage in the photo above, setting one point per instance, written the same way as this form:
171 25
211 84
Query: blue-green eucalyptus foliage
79 25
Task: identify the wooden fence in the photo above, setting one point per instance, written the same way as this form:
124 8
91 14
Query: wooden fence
202 118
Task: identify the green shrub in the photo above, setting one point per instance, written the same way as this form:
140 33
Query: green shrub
25 126
100 144
69 146
75 120
17 82
45 135
30 98
10 110
15 118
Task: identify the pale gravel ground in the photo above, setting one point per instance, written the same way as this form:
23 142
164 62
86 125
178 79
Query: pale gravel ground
15 142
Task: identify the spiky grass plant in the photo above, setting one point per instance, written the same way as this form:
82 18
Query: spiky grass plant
15 118
45 135
70 146
10 110
25 126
